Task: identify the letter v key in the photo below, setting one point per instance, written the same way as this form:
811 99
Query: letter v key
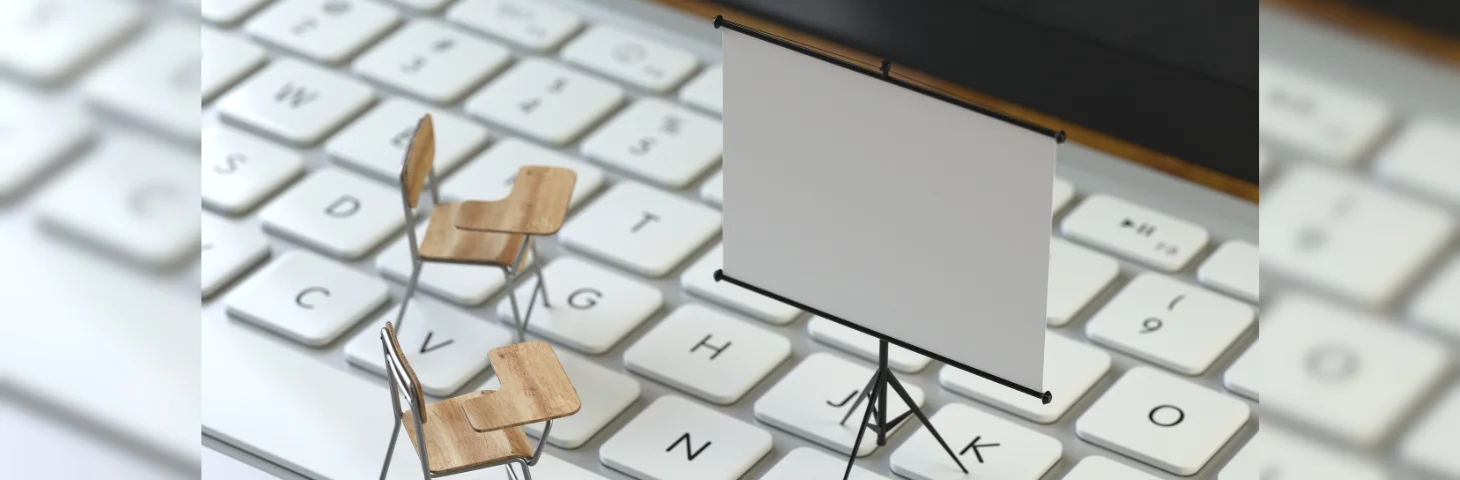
426 346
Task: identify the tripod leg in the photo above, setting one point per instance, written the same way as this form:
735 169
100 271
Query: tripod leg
919 412
867 414
861 396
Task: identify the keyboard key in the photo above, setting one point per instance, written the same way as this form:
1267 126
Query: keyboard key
1326 121
326 31
706 91
229 12
807 462
131 196
675 438
1062 193
863 345
533 25
1095 467
1162 420
1071 369
604 395
226 60
339 213
492 173
699 279
241 170
48 41
1277 454
1417 159
1331 232
1171 323
642 229
545 101
1232 269
548 467
629 58
376 143
36 134
425 6
988 446
1242 376
1431 445
1076 275
296 102
445 346
1152 238
1435 307
593 307
228 250
1351 377
812 399
463 284
154 80
706 353
658 141
714 189
433 61
307 298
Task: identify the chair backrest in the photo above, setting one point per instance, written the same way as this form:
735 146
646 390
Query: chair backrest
420 158
402 376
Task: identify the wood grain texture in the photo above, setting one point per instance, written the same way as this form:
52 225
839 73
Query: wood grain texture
420 158
537 204
443 242
453 446
534 388
1434 45
1076 133
400 355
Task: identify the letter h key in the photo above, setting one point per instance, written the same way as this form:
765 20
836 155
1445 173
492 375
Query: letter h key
707 353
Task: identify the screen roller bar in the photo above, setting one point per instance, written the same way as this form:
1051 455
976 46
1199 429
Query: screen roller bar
884 73
1044 397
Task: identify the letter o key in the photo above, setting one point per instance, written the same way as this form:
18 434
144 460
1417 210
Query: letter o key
1171 419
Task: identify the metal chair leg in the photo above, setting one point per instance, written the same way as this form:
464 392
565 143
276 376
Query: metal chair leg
540 282
390 450
512 298
410 292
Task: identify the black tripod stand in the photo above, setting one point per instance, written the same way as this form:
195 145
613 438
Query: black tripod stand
876 395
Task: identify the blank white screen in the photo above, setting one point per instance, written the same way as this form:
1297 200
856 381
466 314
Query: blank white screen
906 215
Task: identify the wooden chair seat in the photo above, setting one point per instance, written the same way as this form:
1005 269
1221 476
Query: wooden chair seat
453 446
444 242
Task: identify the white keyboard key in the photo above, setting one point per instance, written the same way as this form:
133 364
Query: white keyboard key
445 346
545 101
1436 307
133 196
604 395
1351 377
326 31
49 40
340 213
549 467
1329 122
807 462
426 6
463 284
642 229
536 26
241 170
307 298
658 141
1062 193
433 61
1332 232
36 134
593 307
1232 269
1071 369
155 80
1242 376
1152 238
706 91
1163 420
229 12
226 60
629 58
988 446
709 354
1076 275
863 345
714 189
811 400
1423 158
376 143
1095 467
1276 454
1171 323
296 102
491 174
699 279
676 438
228 250
1431 445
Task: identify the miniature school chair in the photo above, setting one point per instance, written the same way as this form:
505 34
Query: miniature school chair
482 429
496 233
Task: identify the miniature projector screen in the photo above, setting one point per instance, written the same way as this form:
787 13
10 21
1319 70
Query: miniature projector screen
922 221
